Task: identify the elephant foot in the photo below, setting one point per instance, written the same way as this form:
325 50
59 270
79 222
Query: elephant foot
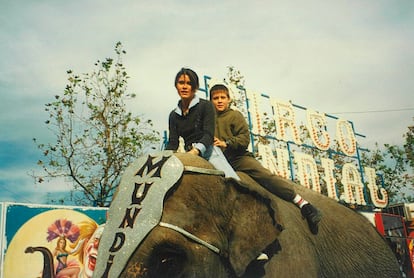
313 216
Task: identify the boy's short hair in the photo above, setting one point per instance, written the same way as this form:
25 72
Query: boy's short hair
219 87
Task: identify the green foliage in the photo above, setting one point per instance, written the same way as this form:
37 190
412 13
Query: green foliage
409 146
96 137
395 163
238 97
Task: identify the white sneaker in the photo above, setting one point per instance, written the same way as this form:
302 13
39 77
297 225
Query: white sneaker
262 257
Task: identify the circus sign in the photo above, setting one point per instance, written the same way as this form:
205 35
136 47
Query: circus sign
326 160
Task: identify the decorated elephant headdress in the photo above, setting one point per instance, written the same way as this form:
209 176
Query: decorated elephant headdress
138 208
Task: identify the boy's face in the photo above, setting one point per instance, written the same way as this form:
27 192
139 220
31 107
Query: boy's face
220 100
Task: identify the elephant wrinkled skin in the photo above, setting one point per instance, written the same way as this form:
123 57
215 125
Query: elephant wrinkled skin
242 223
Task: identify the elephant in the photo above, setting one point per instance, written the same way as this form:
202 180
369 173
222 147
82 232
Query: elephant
212 226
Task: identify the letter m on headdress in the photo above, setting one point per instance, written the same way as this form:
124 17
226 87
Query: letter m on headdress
152 169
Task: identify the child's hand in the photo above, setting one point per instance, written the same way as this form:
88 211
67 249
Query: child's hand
194 151
219 143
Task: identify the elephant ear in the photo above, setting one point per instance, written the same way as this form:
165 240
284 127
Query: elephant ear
253 228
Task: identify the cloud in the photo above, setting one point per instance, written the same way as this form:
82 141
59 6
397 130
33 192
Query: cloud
17 186
335 56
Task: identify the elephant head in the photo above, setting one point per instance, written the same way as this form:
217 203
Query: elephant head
208 226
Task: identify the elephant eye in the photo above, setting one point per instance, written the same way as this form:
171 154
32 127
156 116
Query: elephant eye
167 261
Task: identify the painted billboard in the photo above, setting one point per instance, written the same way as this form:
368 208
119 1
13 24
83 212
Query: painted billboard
49 241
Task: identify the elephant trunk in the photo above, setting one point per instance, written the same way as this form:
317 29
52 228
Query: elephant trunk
48 266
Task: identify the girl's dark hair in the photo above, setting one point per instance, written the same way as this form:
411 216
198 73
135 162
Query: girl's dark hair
191 74
219 87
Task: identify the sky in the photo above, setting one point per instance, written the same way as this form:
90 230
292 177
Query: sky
350 58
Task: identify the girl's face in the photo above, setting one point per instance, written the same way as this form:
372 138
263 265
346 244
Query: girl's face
220 100
62 243
184 88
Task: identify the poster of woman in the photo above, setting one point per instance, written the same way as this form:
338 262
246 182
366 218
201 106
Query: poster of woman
57 240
